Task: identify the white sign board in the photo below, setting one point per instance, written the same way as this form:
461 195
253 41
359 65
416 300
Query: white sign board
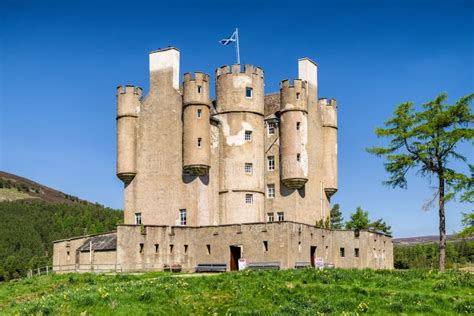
319 263
242 264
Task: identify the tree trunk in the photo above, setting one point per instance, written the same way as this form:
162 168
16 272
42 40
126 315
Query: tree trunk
442 224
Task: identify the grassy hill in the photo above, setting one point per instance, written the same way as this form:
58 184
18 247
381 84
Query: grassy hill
32 216
295 292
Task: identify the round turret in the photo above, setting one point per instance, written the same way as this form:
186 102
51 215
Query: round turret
293 134
240 110
329 118
238 91
128 106
196 124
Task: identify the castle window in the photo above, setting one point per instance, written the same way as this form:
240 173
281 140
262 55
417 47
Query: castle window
280 216
138 218
297 95
199 142
208 249
248 168
199 113
342 252
265 246
182 217
171 249
271 128
185 249
270 191
248 92
199 89
248 198
356 252
298 157
141 248
157 248
298 125
270 217
271 163
248 135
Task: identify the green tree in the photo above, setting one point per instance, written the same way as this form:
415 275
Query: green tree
468 223
380 226
426 140
336 217
359 220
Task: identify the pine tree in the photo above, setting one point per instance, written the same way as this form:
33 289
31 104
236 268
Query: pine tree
426 140
336 217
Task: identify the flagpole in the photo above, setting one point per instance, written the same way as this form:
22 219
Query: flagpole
237 45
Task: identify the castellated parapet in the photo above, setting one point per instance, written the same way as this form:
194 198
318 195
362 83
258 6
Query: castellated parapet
128 107
196 126
293 134
329 119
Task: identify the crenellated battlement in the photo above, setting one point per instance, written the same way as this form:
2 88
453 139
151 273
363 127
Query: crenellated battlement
325 102
293 96
196 89
130 89
329 112
249 70
197 76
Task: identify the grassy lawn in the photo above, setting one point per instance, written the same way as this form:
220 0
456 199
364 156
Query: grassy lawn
302 292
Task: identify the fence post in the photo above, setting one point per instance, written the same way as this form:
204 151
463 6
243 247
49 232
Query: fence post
47 270
39 271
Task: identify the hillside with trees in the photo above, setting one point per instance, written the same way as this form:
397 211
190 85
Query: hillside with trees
32 216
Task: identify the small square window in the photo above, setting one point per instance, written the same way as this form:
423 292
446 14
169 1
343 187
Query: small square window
280 216
182 217
248 198
271 128
298 126
356 252
138 218
270 217
199 142
342 252
199 89
270 191
248 92
248 168
271 163
297 95
199 113
298 157
248 135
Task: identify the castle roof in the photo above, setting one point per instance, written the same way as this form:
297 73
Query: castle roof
100 242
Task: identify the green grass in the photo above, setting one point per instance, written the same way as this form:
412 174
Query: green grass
12 194
295 292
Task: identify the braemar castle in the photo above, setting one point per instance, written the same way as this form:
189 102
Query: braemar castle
210 182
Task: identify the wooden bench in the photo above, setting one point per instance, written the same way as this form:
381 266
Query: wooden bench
302 265
211 267
264 265
172 268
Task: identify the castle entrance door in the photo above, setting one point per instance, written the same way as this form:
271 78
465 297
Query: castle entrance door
235 255
312 255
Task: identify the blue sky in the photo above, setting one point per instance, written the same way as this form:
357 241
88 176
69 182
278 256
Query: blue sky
60 62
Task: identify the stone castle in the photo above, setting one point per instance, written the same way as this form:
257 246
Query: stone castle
246 175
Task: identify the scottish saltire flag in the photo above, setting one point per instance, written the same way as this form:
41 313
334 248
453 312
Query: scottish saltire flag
230 39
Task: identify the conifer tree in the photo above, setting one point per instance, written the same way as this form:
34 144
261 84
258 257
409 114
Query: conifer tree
426 140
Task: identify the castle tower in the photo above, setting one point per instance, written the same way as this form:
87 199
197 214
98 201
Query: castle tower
293 134
196 125
329 115
128 105
240 110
